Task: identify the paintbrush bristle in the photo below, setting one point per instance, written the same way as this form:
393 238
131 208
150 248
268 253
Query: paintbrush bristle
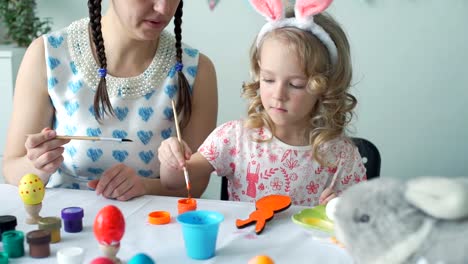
126 140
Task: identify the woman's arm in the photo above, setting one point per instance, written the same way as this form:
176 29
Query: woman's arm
31 91
32 111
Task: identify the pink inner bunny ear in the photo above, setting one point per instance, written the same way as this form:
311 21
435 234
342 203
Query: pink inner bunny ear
271 9
306 8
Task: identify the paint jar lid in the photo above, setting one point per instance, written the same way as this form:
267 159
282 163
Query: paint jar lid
7 222
38 237
50 223
70 255
12 236
72 213
159 217
186 204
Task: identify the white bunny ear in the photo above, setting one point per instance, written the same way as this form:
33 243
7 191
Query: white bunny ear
307 8
271 9
440 197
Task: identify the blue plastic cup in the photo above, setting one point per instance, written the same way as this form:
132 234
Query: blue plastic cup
200 231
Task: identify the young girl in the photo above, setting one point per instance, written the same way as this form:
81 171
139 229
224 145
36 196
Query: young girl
293 141
113 76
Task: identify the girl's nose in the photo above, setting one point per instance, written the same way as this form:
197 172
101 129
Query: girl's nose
279 92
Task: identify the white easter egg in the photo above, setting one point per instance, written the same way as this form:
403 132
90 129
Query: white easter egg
330 208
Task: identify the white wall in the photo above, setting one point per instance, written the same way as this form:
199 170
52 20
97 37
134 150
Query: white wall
10 59
412 82
411 77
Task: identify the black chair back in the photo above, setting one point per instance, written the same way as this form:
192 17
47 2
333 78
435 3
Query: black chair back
370 156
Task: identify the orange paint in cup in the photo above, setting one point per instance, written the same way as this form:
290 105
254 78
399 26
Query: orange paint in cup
186 204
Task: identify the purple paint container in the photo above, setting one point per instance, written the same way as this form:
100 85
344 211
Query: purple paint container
72 219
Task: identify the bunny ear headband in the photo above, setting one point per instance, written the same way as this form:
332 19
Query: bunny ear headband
304 11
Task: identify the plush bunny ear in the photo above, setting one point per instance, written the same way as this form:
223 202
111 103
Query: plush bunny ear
307 8
440 197
271 9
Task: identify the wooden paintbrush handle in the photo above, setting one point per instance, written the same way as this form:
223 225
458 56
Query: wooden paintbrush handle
78 137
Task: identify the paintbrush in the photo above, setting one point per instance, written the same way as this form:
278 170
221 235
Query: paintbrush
333 181
94 138
179 138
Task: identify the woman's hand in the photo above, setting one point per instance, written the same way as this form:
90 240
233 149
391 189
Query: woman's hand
327 195
44 151
171 154
119 182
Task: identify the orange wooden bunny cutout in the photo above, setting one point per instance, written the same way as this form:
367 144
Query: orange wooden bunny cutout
266 208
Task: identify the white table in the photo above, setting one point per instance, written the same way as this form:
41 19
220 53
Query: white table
282 240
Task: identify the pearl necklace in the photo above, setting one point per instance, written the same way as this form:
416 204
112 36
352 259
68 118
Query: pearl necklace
132 87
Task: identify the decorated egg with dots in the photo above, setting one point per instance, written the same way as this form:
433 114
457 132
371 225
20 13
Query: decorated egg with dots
31 189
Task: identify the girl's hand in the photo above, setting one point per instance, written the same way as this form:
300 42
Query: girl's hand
171 154
44 151
327 195
119 182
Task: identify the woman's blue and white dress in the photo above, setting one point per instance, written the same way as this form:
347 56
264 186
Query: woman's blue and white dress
142 105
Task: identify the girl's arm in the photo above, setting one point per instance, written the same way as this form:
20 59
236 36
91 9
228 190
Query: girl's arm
202 122
32 111
199 170
350 170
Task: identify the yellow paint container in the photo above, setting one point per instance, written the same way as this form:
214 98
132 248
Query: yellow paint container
53 225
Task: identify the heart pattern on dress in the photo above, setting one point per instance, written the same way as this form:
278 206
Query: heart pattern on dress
55 41
121 113
170 90
52 82
145 173
119 155
94 154
93 132
146 156
166 133
145 113
53 62
71 107
75 86
119 133
145 136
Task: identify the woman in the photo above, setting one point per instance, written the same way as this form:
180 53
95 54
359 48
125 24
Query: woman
113 76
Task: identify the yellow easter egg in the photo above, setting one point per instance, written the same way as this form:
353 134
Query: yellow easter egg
31 189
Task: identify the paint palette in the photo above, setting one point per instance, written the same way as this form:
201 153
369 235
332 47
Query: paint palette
314 219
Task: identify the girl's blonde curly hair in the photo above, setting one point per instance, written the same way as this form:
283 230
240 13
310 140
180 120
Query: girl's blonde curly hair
334 107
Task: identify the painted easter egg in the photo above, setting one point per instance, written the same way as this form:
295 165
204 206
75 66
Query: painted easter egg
31 189
109 225
141 258
261 260
102 260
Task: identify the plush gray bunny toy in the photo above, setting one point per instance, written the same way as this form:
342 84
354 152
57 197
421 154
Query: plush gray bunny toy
389 221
